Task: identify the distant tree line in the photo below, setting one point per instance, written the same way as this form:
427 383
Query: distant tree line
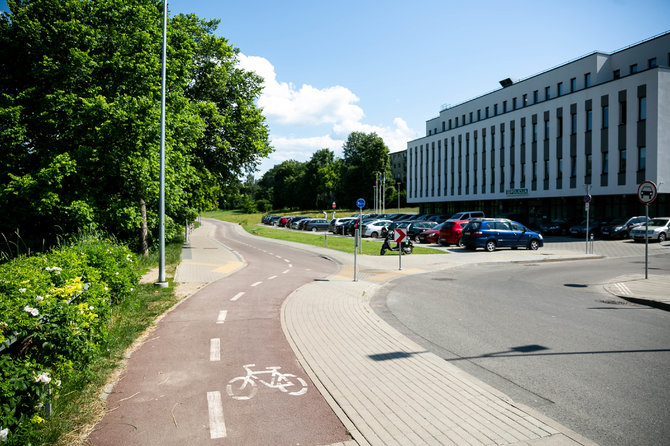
325 179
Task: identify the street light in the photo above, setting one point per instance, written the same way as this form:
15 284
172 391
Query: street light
162 283
398 197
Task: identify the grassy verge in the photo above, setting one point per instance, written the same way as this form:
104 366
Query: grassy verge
251 223
78 406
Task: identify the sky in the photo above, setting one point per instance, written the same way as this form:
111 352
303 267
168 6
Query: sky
388 66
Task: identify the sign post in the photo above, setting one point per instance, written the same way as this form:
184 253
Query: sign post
399 235
587 201
646 193
360 204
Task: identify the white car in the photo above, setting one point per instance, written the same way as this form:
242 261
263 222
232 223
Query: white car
659 228
374 228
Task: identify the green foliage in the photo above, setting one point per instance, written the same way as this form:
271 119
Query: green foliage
55 312
80 113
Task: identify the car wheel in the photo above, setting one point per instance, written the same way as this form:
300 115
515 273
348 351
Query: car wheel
534 244
314 229
490 246
661 237
459 243
374 235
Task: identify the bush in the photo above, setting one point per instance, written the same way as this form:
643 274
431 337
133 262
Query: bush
55 311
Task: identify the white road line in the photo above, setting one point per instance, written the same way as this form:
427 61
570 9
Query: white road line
290 266
284 272
217 426
286 260
279 257
256 284
272 277
215 349
222 317
237 296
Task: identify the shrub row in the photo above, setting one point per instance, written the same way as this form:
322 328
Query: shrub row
54 315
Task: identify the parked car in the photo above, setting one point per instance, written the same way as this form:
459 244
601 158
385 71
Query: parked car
336 223
301 223
349 227
282 221
374 228
658 229
621 227
558 226
274 221
450 233
594 227
416 228
392 226
431 235
494 233
467 215
315 224
295 222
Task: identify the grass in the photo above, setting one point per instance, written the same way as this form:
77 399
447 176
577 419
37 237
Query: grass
78 406
251 223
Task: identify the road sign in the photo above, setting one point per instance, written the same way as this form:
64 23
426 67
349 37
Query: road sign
587 198
646 192
333 205
360 203
399 235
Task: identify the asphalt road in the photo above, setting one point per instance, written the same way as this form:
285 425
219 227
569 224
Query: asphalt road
218 368
549 336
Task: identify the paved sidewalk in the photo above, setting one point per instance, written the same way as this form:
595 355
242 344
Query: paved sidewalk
385 388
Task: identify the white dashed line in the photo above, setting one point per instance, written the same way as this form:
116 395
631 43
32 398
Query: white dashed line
215 349
237 296
217 426
279 257
222 317
272 277
286 260
256 284
284 272
290 266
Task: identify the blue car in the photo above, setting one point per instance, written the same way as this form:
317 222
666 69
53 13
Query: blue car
493 233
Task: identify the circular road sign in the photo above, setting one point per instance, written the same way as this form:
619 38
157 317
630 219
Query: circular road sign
333 205
360 203
646 192
587 198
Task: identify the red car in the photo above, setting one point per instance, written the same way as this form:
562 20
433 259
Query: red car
431 235
450 233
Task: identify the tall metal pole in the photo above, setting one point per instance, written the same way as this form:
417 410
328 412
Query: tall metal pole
161 195
398 197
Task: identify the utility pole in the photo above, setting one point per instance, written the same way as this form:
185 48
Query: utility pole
162 283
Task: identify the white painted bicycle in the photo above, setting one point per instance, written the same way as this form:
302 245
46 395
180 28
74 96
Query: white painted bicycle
245 387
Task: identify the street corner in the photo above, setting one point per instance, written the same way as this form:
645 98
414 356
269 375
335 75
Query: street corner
651 291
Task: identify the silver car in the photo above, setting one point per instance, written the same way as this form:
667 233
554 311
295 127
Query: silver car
659 228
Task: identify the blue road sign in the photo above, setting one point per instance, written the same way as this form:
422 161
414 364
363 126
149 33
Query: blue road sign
360 203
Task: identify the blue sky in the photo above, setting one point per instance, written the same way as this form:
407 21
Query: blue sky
387 66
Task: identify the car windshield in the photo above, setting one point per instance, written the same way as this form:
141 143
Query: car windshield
658 222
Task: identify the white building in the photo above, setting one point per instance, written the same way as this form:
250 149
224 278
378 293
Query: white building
531 147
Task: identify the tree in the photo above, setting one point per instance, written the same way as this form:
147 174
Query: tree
321 179
80 98
364 156
283 185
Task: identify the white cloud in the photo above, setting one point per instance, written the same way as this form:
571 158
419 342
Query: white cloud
284 104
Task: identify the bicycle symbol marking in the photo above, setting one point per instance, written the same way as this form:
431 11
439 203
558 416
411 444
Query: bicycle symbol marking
245 387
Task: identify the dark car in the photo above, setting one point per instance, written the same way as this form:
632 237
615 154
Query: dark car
494 233
594 227
450 233
315 224
392 226
558 226
295 222
621 227
416 228
431 235
335 225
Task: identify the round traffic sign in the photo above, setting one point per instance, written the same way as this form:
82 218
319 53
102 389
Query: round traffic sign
587 198
360 203
333 205
646 192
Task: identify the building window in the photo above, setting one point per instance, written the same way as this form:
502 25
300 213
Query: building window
589 161
523 134
589 120
546 169
470 117
633 68
486 114
513 103
456 121
450 124
617 74
641 158
443 126
536 96
573 84
534 178
622 112
559 168
534 132
573 123
622 161
559 127
573 166
504 106
652 63
559 89
479 114
525 98
587 80
547 93
642 108
606 116
546 129
495 109
605 166
463 120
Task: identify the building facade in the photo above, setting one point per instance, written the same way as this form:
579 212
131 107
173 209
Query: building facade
598 124
399 167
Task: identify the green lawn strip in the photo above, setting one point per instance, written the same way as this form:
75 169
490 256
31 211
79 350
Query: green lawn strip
78 404
251 223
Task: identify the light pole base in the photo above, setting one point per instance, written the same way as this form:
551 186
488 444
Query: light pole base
161 284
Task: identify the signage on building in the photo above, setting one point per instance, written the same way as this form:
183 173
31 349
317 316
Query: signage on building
517 191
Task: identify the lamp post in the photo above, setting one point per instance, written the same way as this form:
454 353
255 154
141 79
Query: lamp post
161 194
398 197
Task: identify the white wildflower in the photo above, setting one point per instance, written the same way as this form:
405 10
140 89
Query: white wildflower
57 382
43 377
31 310
22 290
116 273
91 308
4 433
39 298
132 289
